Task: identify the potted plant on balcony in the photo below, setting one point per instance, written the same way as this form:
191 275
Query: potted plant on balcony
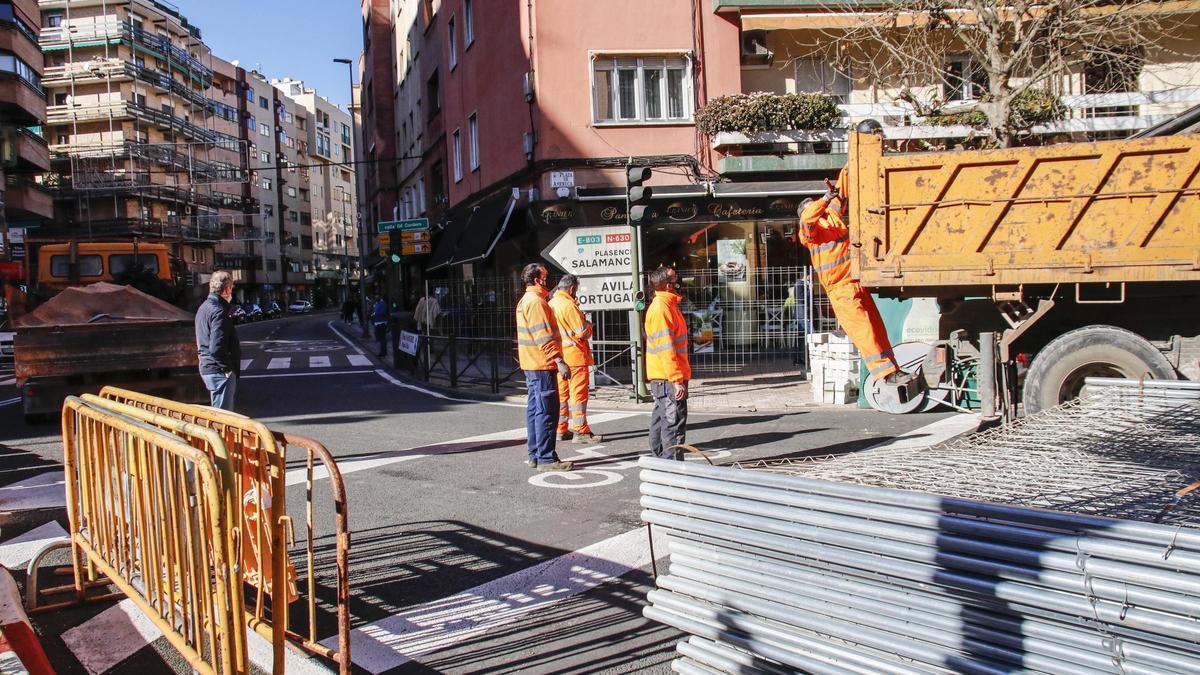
767 112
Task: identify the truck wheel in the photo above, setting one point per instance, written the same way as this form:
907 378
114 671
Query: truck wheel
1058 371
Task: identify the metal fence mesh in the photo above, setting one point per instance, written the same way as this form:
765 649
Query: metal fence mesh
1120 452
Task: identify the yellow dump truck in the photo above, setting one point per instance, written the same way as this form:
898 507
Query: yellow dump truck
1078 259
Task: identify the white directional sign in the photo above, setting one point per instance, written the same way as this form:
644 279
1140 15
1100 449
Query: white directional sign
607 292
592 251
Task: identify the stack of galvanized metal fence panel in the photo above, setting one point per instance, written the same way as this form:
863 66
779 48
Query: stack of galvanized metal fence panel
774 572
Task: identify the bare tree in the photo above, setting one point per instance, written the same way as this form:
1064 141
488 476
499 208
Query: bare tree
1005 48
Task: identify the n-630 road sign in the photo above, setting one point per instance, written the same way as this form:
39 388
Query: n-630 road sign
592 251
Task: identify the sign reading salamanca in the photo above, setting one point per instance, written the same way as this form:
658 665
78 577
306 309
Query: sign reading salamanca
592 251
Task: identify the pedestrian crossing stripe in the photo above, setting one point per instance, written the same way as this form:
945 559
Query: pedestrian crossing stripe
306 362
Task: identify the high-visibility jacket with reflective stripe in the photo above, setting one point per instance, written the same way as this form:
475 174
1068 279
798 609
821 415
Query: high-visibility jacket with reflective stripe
538 346
666 340
827 238
573 328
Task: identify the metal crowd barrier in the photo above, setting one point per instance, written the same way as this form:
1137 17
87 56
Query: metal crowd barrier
151 513
258 459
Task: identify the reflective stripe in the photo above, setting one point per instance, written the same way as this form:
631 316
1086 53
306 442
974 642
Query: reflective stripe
825 247
659 334
880 355
578 407
661 349
882 367
543 340
537 327
526 343
681 350
828 266
568 343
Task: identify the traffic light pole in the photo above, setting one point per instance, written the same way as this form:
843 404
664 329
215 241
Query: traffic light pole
637 337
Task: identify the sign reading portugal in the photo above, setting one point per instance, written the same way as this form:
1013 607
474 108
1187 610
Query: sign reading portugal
592 251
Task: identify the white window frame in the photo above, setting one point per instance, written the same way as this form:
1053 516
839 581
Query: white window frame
420 195
827 67
473 140
452 42
264 129
618 61
468 23
966 83
456 140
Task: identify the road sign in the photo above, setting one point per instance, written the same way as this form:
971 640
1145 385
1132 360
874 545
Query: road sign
606 292
408 342
385 242
562 179
414 235
404 225
592 251
414 248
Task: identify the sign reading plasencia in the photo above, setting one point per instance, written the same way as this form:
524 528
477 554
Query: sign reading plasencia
607 292
592 251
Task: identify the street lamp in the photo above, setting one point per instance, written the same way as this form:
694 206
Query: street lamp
362 235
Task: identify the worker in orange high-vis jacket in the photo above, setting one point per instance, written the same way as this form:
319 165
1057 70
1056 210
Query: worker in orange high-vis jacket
667 365
576 334
539 352
824 231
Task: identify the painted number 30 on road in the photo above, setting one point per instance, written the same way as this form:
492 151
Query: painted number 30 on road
598 473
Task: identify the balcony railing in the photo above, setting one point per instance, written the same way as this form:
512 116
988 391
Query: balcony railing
66 114
114 29
192 229
1090 115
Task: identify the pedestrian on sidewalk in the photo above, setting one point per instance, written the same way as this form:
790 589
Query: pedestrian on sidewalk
347 310
539 351
379 318
217 342
667 365
576 334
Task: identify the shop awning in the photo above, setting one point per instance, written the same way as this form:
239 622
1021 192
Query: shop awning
789 188
477 236
448 241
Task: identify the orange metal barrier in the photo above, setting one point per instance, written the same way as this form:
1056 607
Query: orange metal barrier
151 512
258 456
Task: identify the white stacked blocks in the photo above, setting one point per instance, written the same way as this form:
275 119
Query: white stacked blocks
833 368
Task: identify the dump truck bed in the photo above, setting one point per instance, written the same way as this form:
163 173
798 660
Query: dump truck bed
1112 211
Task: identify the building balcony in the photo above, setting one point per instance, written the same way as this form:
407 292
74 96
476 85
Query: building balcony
26 200
193 230
1090 116
21 102
17 37
126 110
118 70
241 261
30 151
109 29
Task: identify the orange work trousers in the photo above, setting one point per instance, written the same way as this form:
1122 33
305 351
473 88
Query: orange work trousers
573 399
856 312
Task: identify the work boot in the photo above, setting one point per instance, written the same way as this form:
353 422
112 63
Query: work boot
555 466
587 437
565 435
531 464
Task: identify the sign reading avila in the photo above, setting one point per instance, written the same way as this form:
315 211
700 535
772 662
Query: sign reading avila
592 251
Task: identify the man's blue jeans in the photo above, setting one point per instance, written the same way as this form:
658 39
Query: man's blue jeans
221 390
541 414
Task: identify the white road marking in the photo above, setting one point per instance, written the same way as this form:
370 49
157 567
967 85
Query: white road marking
345 339
11 380
312 374
18 551
359 361
281 363
441 624
261 655
246 364
318 362
404 385
11 401
44 491
348 466
110 637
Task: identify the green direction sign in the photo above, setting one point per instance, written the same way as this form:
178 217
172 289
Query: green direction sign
404 225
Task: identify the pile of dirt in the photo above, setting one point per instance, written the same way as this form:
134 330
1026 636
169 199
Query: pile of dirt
101 302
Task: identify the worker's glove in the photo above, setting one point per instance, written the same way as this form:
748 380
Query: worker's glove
564 371
831 194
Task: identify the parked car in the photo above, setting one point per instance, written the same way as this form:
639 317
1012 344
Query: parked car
271 310
6 346
300 307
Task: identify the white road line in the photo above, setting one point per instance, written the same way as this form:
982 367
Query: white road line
44 491
345 339
281 363
110 637
11 380
11 401
359 361
444 623
356 464
318 362
314 374
18 551
246 364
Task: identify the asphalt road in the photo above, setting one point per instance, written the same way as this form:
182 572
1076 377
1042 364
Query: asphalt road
442 504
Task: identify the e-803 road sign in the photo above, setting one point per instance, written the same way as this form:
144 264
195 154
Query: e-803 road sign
592 251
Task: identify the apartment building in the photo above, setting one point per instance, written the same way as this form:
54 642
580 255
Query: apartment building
129 122
377 111
331 181
24 202
240 250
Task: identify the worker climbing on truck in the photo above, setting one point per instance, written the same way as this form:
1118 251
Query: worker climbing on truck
825 232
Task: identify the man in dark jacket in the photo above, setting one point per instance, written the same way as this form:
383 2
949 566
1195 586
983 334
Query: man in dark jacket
220 352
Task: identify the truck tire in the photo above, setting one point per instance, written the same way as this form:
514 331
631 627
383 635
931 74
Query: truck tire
1057 372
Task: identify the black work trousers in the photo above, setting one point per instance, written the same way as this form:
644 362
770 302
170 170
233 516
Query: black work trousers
668 421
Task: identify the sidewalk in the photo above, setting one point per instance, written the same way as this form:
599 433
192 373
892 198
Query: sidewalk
767 388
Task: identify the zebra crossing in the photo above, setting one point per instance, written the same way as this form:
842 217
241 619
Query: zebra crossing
271 364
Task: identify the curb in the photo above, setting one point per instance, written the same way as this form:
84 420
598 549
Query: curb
20 649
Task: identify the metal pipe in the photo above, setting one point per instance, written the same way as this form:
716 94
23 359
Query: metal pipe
1006 617
729 660
943 551
987 375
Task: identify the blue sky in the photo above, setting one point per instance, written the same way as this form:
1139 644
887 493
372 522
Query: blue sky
289 38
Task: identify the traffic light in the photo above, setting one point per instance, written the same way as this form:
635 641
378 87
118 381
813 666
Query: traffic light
638 194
